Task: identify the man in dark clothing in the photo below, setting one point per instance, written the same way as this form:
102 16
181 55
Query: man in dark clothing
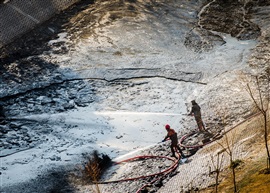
173 136
196 111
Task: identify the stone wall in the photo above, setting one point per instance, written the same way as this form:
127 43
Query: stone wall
18 17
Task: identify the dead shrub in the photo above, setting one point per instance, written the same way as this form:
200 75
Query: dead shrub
95 166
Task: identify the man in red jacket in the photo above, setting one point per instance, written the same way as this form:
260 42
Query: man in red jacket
173 136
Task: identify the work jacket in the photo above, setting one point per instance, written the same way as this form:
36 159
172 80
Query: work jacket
196 110
173 136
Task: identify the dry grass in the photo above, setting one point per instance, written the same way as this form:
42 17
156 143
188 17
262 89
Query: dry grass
252 176
250 179
95 165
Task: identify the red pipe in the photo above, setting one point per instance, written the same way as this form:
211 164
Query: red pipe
193 146
214 137
136 178
169 170
173 166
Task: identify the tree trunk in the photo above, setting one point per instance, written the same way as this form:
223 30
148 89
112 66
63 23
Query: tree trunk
234 180
233 173
266 139
217 175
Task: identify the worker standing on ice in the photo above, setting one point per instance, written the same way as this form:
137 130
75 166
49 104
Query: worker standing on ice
173 136
196 111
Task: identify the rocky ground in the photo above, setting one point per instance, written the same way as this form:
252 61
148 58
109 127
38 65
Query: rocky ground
32 83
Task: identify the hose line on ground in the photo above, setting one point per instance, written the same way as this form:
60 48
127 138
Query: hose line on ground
175 162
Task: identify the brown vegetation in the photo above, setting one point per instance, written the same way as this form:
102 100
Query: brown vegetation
251 180
94 167
252 176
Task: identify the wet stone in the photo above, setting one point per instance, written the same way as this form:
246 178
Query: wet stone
45 131
31 108
14 126
55 158
44 100
69 105
83 101
60 109
24 130
73 94
57 100
4 131
13 142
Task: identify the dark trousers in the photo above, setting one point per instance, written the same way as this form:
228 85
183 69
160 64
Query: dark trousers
199 123
178 148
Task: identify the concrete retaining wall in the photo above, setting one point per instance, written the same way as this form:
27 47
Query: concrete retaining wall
19 16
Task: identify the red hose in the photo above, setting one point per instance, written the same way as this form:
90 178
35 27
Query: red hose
194 146
214 137
191 146
136 178
169 170
144 156
173 166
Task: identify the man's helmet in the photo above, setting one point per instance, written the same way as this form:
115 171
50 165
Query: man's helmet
167 126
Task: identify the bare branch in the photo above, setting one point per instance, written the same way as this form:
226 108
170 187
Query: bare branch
251 94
